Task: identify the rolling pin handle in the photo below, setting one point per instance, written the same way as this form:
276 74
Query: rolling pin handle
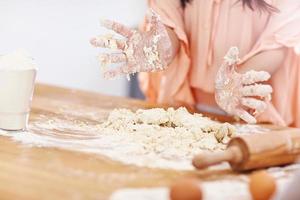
232 154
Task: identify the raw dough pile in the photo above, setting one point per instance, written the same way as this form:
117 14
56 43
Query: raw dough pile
148 138
169 132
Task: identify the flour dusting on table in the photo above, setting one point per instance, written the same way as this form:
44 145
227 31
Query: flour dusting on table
230 187
152 138
149 138
216 190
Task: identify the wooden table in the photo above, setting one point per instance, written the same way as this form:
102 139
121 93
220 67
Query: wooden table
51 173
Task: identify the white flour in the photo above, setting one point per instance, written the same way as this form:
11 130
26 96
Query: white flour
18 60
229 188
215 190
151 138
161 139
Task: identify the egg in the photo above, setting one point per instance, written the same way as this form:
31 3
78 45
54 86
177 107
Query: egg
186 189
262 185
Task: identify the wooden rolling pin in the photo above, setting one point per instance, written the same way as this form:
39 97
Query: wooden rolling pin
256 151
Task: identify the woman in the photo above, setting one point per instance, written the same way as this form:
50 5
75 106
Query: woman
185 44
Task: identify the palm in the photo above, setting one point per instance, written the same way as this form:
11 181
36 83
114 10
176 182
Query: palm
140 51
236 93
227 92
137 60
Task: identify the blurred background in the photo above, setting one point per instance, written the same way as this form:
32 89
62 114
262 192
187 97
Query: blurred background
57 32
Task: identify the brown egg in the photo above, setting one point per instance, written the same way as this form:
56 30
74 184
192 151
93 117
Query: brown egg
186 189
262 185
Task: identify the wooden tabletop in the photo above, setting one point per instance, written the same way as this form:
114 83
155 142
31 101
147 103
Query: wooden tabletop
29 172
50 173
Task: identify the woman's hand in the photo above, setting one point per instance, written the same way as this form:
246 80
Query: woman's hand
140 51
241 94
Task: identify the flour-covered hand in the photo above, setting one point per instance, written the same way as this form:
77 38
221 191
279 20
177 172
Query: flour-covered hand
241 95
139 51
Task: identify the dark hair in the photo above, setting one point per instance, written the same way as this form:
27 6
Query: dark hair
252 4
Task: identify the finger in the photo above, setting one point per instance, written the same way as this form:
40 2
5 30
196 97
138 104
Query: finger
106 42
112 58
258 105
117 27
152 17
259 90
225 76
227 68
110 74
244 115
252 76
268 97
232 56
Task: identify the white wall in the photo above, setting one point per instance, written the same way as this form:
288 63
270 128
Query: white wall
57 33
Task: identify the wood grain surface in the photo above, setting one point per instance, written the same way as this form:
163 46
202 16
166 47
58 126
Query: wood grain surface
49 173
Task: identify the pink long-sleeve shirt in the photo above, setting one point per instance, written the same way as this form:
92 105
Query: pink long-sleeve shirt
206 30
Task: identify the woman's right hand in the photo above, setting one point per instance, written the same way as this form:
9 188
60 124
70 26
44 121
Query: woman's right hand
140 51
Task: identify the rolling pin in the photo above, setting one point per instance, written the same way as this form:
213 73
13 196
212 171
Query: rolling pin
255 151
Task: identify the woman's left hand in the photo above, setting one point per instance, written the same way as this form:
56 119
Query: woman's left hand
241 95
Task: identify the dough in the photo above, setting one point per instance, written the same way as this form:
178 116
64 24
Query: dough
160 130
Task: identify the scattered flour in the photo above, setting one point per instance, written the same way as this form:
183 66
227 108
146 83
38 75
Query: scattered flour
153 138
250 129
150 138
228 188
216 190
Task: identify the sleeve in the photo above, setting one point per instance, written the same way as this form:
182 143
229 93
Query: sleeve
171 13
282 30
171 85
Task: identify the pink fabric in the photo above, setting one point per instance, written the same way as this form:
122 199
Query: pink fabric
207 29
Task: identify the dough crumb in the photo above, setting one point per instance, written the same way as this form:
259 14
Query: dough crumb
171 131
